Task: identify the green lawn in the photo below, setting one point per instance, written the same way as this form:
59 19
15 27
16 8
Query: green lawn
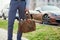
4 25
43 32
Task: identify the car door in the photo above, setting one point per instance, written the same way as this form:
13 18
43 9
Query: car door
37 16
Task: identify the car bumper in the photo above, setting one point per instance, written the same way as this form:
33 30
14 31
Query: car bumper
55 20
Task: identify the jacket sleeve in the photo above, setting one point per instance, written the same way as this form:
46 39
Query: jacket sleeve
27 3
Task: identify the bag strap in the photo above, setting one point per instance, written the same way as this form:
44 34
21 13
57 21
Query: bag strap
27 13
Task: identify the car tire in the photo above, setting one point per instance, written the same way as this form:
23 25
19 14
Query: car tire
4 17
45 19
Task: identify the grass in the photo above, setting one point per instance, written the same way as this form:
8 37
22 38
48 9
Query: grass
4 25
43 32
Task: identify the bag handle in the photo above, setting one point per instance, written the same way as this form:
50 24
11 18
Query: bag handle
27 15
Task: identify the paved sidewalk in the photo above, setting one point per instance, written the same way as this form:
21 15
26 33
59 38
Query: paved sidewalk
3 35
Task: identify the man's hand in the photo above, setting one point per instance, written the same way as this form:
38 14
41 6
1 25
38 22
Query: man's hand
27 10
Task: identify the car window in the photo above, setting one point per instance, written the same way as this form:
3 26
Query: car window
47 8
50 8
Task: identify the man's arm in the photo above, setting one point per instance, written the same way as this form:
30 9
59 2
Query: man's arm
27 4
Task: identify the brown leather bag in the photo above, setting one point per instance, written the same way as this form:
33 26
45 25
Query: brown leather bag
27 26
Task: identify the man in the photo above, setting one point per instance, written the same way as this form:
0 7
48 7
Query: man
21 6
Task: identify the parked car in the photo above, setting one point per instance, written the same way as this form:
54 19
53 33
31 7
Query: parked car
5 11
47 14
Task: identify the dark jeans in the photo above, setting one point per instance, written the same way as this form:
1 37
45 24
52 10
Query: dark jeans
14 6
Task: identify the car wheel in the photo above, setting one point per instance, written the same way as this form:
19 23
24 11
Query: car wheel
45 19
4 17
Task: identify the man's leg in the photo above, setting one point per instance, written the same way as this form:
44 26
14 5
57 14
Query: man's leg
11 17
21 11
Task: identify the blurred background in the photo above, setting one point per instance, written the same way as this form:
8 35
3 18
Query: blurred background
3 3
34 3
